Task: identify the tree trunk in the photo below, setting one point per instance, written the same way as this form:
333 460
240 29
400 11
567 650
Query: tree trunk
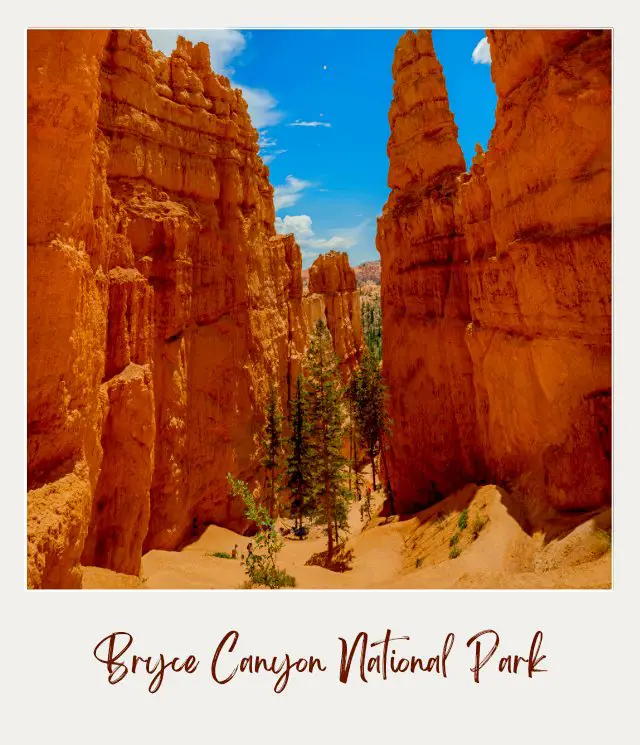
329 534
392 502
373 468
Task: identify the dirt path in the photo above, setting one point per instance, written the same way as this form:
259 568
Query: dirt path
491 550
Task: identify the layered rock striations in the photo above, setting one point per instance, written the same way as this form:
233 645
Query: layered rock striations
160 300
425 297
496 284
333 297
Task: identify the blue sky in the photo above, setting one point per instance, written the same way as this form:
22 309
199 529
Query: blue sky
320 100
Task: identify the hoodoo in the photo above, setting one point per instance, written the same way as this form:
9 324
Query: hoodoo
334 298
161 302
496 284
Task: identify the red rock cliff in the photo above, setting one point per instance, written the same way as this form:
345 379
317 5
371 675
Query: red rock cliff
496 284
159 299
334 298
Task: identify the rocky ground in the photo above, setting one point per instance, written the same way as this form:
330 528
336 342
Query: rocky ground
492 551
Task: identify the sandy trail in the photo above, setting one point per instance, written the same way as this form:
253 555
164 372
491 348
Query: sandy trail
417 552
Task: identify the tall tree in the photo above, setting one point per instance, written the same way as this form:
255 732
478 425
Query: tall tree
326 415
371 315
272 446
369 393
299 448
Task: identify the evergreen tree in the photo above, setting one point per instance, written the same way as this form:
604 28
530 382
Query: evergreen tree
371 316
299 476
326 415
369 393
272 447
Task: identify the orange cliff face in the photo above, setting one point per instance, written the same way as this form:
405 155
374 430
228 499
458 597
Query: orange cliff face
160 300
425 299
334 298
496 284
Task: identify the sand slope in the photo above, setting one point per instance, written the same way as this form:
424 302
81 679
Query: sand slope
495 551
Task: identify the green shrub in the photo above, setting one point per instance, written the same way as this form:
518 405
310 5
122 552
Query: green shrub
478 524
260 563
272 577
220 555
419 562
455 552
463 520
454 539
604 538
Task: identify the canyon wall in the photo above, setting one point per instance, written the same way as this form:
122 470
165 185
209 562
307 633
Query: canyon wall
161 302
496 283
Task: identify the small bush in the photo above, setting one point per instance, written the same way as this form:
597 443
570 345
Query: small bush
270 577
260 563
478 524
419 562
463 520
455 552
220 555
454 539
604 538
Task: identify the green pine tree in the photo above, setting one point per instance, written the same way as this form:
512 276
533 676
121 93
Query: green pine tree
326 417
371 316
272 447
299 469
369 393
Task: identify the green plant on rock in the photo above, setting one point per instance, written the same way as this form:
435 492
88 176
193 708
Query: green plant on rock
455 552
454 539
478 525
463 520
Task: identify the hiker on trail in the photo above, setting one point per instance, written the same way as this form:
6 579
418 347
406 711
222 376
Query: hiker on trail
368 490
249 549
234 553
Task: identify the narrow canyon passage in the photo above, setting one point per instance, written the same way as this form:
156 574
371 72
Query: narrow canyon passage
164 302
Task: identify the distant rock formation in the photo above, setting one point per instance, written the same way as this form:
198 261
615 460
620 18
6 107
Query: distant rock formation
367 273
334 298
496 284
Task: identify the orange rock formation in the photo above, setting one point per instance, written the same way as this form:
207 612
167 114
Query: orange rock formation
496 284
161 302
158 299
334 298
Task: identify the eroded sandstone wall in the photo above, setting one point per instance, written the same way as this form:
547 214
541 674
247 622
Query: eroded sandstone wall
334 298
159 299
496 284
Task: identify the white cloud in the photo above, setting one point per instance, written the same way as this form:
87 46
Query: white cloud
289 193
481 55
263 107
224 44
301 227
265 141
298 123
270 157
